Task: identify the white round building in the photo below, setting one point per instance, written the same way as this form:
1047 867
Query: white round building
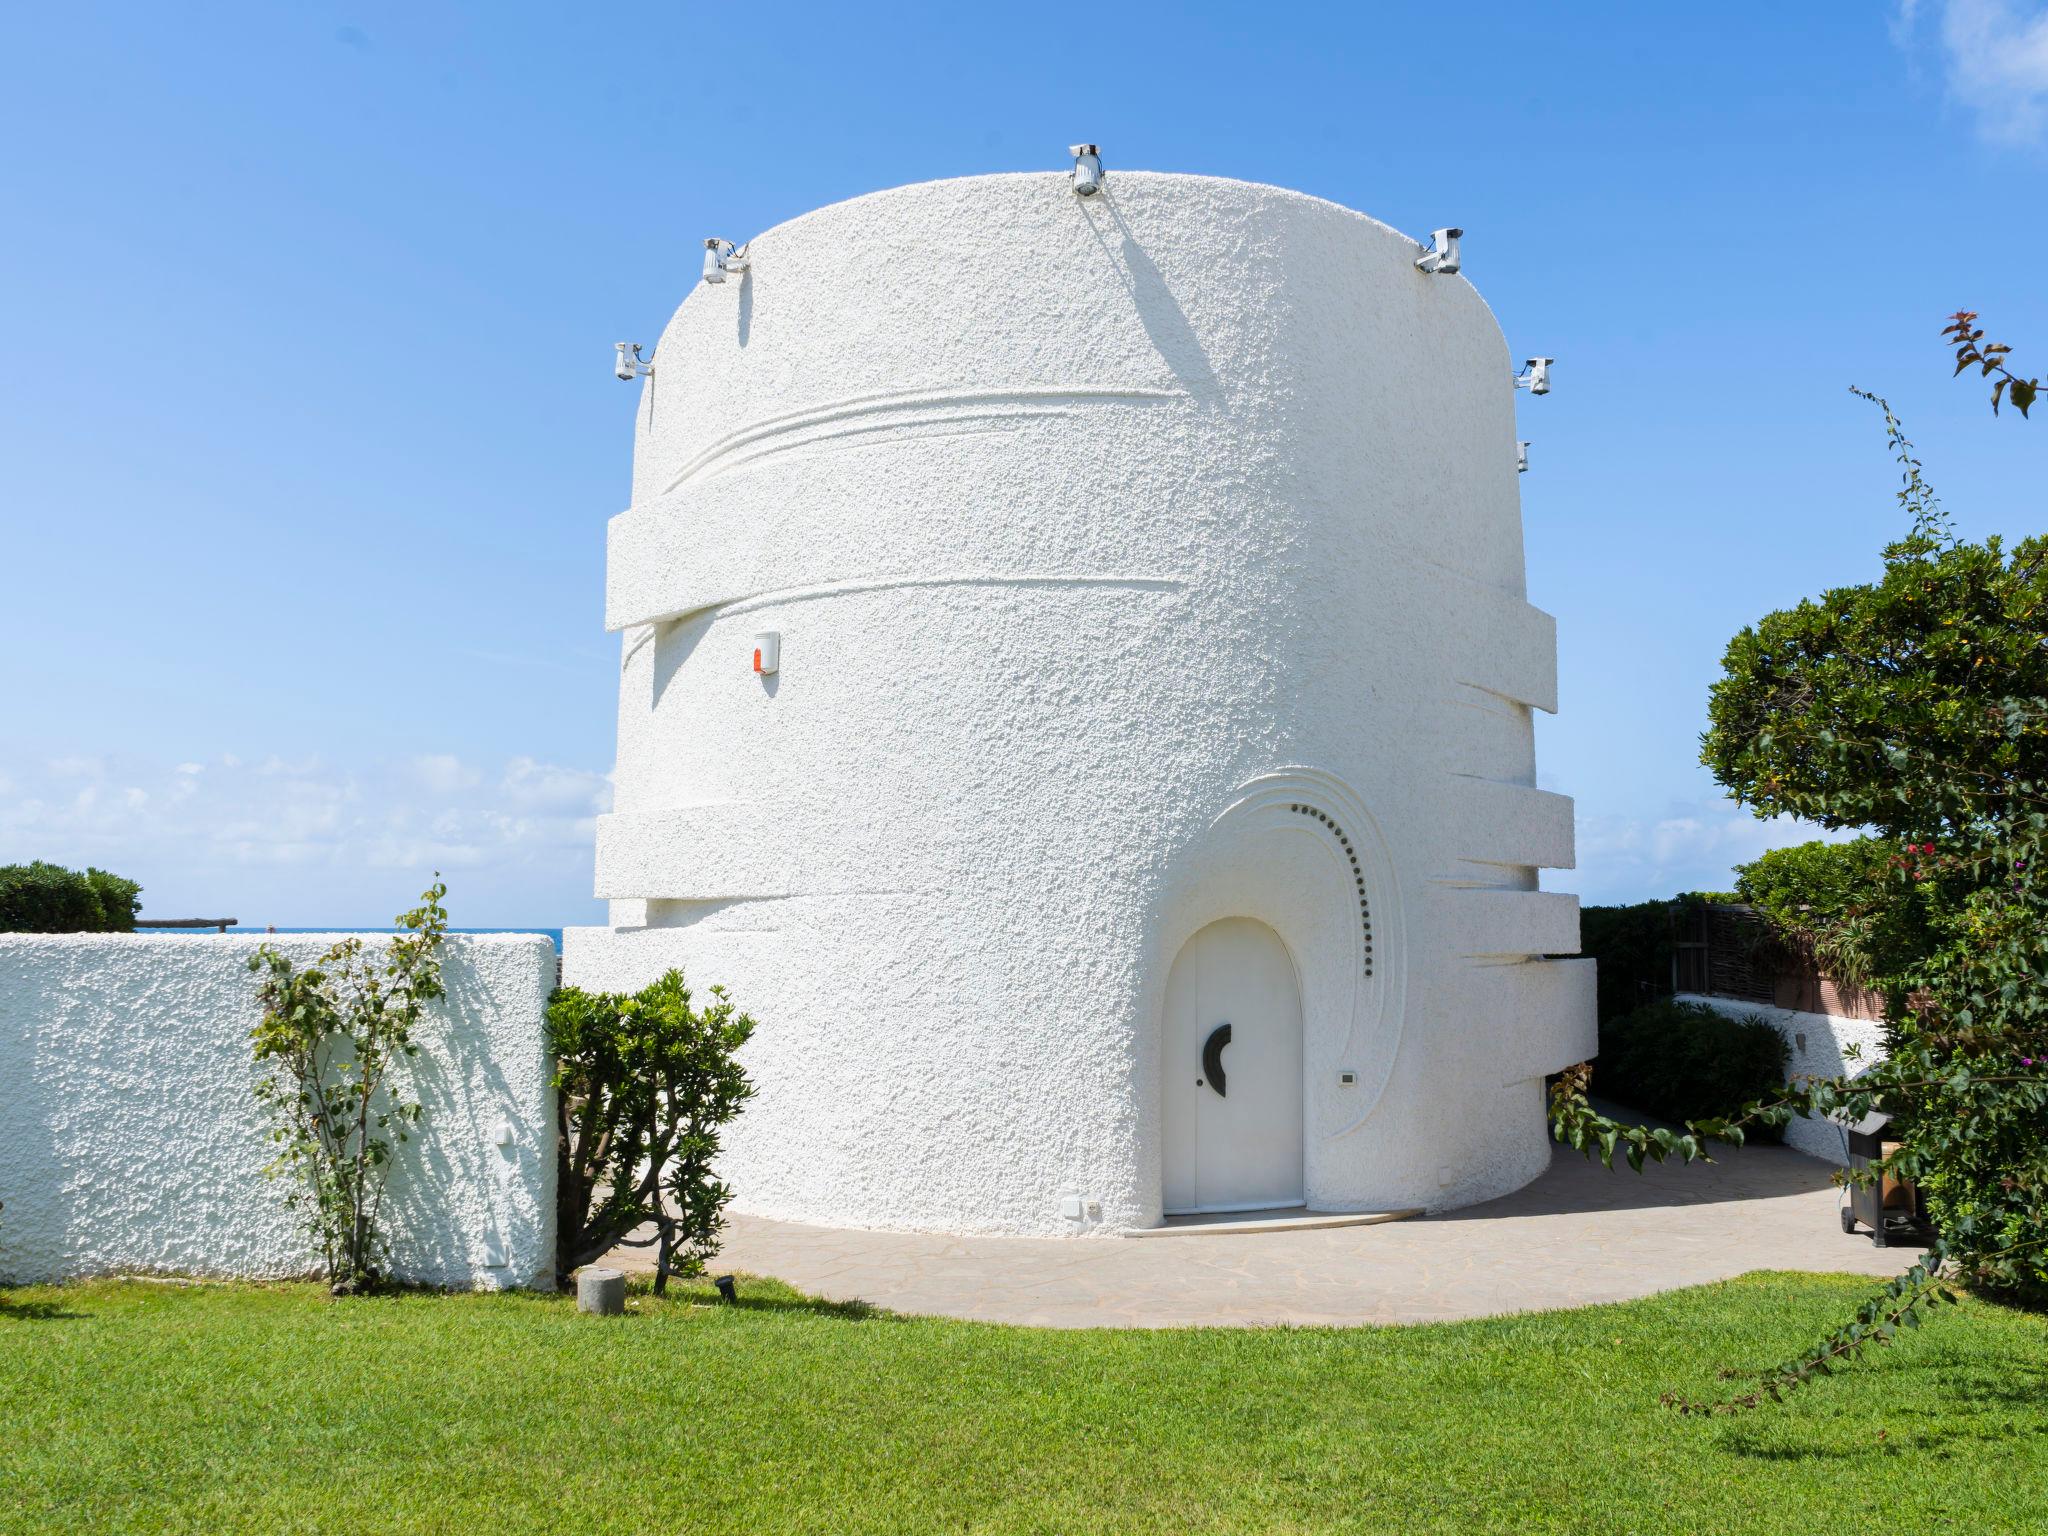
1077 695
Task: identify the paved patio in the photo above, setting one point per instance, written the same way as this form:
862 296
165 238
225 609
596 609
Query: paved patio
1578 1235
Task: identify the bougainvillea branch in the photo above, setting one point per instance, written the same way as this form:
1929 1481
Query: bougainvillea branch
1988 358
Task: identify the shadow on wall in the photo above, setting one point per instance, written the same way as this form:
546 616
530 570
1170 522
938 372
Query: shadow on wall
32 1174
470 1159
1165 322
673 641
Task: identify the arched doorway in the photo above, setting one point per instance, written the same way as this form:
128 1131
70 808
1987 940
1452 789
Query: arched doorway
1232 1090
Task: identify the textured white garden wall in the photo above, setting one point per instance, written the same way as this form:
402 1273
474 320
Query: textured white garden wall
1820 1045
131 1139
1107 540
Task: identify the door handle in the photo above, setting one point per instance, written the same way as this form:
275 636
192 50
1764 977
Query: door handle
1212 1056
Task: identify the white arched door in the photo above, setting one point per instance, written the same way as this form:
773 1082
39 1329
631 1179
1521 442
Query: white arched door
1232 1099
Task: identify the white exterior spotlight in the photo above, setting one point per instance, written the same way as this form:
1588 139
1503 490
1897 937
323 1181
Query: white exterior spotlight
1441 259
1521 458
627 363
1087 169
768 652
722 257
1535 375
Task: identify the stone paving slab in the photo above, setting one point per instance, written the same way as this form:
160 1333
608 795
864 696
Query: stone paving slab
1576 1236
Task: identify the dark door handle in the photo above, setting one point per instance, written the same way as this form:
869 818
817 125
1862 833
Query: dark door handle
1212 1056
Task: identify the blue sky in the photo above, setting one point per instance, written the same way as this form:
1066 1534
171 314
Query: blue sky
307 440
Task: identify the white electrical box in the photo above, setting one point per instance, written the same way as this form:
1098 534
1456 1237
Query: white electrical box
767 652
1070 1207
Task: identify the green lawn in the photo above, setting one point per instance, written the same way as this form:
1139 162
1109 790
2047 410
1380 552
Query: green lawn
139 1407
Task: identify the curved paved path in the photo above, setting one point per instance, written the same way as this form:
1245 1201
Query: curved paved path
1578 1235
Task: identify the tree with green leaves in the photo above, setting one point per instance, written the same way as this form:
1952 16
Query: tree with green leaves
644 1084
1913 708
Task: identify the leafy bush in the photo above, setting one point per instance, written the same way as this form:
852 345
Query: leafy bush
1687 1061
1838 903
643 1085
328 1040
1633 945
47 898
118 900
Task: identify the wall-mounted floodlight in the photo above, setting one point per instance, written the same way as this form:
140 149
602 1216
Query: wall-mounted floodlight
1535 375
1442 256
1087 169
628 364
722 257
1521 458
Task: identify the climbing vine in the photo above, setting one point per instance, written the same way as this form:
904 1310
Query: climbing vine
328 1043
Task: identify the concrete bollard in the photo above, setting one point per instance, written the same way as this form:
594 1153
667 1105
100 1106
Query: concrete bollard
601 1292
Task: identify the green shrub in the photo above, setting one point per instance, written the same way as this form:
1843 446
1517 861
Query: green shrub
118 900
1686 1061
47 898
1634 946
1843 904
644 1083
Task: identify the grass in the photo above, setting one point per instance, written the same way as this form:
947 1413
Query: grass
143 1407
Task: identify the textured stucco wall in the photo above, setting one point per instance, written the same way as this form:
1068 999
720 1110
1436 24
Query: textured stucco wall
131 1139
1820 1045
1138 562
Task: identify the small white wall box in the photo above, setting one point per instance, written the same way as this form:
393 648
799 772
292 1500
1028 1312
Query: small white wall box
767 652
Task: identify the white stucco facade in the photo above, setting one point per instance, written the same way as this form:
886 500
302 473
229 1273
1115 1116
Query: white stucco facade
131 1140
1820 1045
1138 562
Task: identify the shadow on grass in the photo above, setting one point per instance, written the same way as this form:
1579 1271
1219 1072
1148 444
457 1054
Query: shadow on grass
755 1293
849 1311
35 1311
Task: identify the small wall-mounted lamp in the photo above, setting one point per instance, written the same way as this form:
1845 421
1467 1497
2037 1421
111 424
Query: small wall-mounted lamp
1535 375
767 652
628 365
1521 458
1441 259
722 257
1087 169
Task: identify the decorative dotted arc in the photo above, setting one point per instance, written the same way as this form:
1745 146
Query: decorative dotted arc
1357 874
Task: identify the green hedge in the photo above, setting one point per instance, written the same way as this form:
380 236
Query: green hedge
47 898
1633 945
1686 1061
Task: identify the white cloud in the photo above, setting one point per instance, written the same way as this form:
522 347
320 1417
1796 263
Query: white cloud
299 841
545 787
443 772
1689 848
1994 61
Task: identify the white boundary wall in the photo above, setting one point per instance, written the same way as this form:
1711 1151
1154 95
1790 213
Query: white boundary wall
1820 1045
131 1139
